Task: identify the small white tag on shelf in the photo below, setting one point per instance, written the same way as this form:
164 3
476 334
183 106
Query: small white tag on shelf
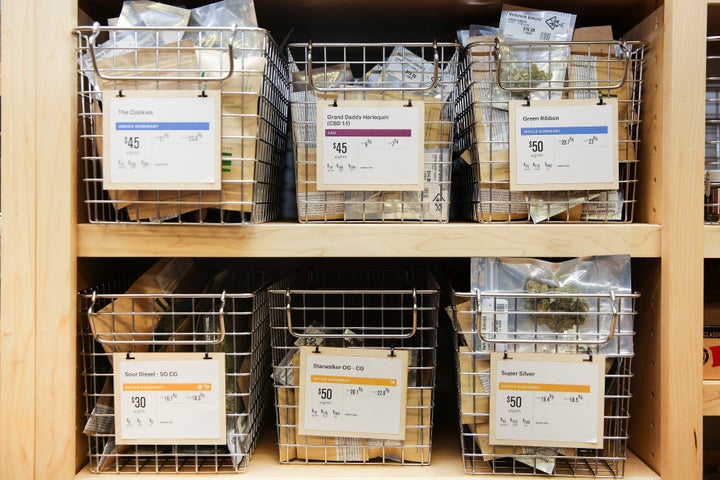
161 140
370 145
353 392
540 399
169 398
563 145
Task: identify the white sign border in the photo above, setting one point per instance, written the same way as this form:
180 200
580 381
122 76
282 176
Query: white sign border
109 97
323 105
218 357
514 106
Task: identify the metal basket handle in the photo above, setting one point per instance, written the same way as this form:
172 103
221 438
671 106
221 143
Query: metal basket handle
102 339
534 341
198 78
433 84
498 55
288 310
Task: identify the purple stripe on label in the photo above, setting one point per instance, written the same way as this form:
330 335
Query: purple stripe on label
366 132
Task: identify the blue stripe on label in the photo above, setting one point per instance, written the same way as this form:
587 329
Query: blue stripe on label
603 130
162 126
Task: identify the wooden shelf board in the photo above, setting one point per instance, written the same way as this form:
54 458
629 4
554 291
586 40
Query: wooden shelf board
711 397
446 463
278 239
712 237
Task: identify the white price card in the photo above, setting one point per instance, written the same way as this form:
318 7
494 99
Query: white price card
370 145
563 145
353 392
161 140
542 399
170 398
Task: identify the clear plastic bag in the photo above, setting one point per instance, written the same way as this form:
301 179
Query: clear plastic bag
584 316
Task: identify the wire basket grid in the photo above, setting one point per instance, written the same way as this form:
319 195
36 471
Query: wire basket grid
355 310
234 323
590 70
493 322
250 71
406 72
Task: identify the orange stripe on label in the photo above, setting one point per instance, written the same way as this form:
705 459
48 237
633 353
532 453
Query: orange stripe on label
164 387
380 382
544 387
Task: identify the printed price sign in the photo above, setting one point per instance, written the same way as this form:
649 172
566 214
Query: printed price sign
563 145
161 140
353 392
370 145
547 400
173 398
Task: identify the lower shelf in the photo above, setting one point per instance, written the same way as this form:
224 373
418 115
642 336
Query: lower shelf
446 463
711 397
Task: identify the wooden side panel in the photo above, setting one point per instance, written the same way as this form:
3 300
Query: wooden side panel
681 309
56 241
17 312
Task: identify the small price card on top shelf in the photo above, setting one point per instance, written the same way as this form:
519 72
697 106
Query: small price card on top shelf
370 145
564 145
542 399
169 398
161 140
353 392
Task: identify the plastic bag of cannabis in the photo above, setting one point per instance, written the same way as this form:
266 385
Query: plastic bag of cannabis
542 65
547 303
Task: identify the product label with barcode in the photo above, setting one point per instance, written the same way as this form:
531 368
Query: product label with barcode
536 26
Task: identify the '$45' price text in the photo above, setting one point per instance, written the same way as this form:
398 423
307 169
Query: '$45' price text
132 143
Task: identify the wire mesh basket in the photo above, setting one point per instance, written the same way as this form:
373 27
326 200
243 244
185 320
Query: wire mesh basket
233 321
492 73
712 131
248 69
404 72
355 310
487 322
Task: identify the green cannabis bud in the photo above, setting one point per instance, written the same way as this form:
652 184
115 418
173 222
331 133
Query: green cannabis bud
563 313
529 75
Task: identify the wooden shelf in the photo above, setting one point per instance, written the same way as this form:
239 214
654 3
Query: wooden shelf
370 240
711 397
712 239
446 463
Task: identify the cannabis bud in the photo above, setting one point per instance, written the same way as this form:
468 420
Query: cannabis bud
563 313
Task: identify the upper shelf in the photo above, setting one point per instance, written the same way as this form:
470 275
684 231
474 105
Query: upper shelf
277 239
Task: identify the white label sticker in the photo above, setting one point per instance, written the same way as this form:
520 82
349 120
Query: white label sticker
563 145
494 323
161 140
370 145
176 398
353 392
547 400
